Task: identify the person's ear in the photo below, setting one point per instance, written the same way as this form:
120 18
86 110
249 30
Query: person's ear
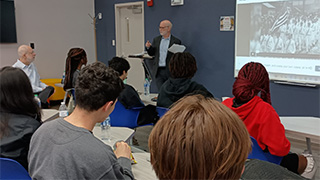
110 104
107 106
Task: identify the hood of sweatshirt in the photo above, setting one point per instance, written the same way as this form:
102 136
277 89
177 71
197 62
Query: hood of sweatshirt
244 110
174 89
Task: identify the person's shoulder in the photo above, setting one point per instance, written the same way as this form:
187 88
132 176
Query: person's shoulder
198 86
228 102
201 89
264 106
128 86
157 38
49 126
128 89
167 83
175 38
22 121
18 64
259 102
15 64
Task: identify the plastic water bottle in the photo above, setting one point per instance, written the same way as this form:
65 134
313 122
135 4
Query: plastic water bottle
63 111
63 77
146 87
105 129
36 97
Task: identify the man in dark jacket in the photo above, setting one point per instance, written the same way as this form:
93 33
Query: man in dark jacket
159 49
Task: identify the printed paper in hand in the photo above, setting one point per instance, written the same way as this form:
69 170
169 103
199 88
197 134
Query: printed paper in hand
177 48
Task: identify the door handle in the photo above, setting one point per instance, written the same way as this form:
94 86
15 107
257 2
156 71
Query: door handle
128 30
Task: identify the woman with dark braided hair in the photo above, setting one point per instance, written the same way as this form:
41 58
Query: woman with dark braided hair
262 121
76 58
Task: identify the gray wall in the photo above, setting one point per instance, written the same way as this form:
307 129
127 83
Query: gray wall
196 23
54 26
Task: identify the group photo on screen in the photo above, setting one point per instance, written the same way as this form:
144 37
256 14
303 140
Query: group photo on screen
282 35
289 27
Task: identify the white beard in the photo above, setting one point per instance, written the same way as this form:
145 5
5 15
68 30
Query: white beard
163 33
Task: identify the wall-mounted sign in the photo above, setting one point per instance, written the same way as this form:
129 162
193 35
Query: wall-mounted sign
176 2
227 23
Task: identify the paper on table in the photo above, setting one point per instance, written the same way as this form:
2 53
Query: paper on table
137 55
177 48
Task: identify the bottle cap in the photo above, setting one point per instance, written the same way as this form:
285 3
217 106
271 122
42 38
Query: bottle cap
62 102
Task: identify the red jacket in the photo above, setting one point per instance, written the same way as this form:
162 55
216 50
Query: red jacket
263 123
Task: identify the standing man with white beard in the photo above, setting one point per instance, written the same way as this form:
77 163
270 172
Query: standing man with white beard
159 49
25 62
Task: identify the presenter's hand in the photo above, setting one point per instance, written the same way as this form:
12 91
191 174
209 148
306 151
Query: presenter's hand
122 150
148 44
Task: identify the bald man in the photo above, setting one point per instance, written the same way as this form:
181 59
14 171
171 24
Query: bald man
25 62
159 49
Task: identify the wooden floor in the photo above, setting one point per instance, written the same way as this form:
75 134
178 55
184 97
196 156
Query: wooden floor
298 146
142 135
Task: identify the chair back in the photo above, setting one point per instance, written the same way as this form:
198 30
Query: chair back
122 117
161 111
11 169
258 153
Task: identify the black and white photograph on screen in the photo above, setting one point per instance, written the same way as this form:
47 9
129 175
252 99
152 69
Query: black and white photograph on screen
283 35
285 28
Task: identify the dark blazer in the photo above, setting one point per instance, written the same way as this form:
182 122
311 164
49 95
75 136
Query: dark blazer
154 51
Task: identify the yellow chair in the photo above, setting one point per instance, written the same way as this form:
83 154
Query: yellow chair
58 87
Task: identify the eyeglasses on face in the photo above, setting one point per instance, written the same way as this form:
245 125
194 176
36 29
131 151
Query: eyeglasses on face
163 27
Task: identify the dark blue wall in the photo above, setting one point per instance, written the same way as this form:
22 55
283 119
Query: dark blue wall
196 23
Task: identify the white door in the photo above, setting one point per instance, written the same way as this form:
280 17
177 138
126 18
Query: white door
130 39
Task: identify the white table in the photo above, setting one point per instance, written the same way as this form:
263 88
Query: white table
143 169
306 127
49 114
147 99
117 134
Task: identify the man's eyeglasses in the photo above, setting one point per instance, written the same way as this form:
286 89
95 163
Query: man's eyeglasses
162 27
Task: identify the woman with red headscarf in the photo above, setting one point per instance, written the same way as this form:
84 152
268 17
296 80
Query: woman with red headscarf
262 121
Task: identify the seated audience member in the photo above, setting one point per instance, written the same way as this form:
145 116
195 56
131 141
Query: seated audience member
182 67
77 57
20 115
262 121
199 138
129 97
65 148
25 62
